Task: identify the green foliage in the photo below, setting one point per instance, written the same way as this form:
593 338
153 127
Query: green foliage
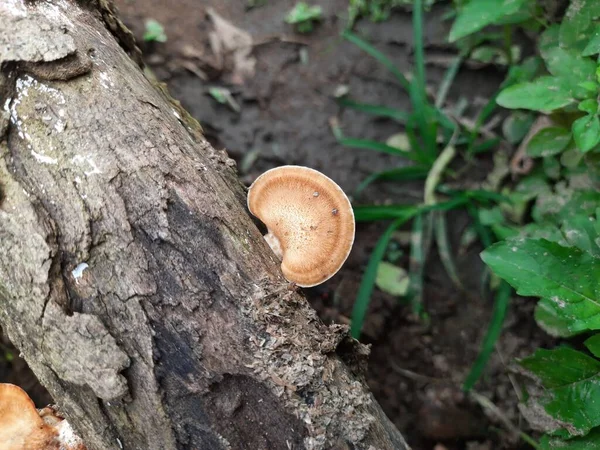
586 131
542 231
570 379
564 277
549 141
304 16
544 94
566 49
591 441
430 140
155 32
377 10
553 252
477 14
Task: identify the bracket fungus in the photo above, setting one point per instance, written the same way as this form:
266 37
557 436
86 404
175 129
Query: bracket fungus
22 427
309 219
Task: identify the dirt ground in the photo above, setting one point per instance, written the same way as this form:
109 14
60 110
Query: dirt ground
285 106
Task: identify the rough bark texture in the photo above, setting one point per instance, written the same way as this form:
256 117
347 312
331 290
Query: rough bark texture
132 278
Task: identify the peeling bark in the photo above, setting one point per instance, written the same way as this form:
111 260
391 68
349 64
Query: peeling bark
132 278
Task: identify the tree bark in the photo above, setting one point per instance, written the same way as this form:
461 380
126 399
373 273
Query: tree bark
132 278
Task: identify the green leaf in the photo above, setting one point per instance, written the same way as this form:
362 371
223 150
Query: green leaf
303 12
491 216
549 318
593 345
548 142
551 167
560 205
392 279
549 39
565 276
525 71
479 13
516 126
582 231
589 106
543 94
586 132
593 46
155 32
591 441
571 382
577 25
570 67
589 86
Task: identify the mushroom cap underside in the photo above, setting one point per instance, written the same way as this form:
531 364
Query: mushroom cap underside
311 217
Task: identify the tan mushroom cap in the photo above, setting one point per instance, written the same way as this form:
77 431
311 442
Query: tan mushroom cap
310 218
21 427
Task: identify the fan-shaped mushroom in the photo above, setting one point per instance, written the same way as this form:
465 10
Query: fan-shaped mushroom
309 219
23 428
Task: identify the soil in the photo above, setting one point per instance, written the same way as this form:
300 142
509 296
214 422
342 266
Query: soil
285 107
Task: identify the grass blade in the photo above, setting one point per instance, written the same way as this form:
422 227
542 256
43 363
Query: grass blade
445 249
367 144
486 145
419 75
415 145
363 298
486 238
480 195
447 81
372 51
400 174
425 115
370 213
493 333
376 110
420 244
485 113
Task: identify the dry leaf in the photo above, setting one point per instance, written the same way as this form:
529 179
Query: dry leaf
232 48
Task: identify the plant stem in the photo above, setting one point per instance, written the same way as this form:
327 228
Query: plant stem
508 44
418 47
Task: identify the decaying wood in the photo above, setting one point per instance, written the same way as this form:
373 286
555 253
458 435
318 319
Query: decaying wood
132 278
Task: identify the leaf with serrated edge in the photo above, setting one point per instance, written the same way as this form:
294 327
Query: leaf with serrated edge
565 276
589 442
572 382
